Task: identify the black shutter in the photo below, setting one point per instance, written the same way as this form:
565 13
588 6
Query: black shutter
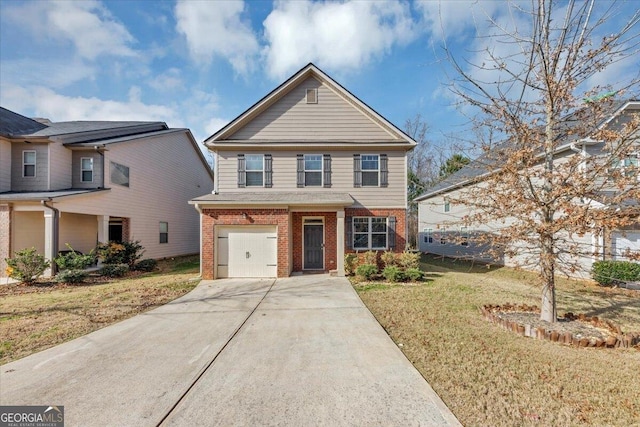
348 226
357 171
300 170
384 170
327 170
391 232
268 171
242 177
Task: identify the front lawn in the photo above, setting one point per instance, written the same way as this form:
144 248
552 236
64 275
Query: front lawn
33 318
489 376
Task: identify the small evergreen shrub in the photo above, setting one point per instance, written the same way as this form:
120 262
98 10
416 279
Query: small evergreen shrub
408 260
367 271
388 259
612 272
350 263
146 265
121 253
414 274
393 274
73 260
114 270
26 265
370 257
71 276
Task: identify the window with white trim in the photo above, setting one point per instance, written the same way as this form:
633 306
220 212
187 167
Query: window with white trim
464 236
370 233
447 205
313 170
627 166
29 163
443 236
164 232
86 169
370 170
254 170
428 235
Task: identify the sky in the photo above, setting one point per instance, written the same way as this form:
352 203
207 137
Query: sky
199 64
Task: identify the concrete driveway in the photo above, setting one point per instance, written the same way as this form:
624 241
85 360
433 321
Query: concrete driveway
297 351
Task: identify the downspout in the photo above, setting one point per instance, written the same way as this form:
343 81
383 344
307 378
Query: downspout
199 209
54 237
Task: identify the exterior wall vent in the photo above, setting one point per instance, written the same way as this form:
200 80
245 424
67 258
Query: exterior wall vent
312 96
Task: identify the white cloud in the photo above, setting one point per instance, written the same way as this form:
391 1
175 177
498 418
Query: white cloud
55 73
335 35
217 29
451 19
169 80
88 25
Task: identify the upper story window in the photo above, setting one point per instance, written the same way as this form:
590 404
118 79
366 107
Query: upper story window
119 174
29 163
313 170
627 166
86 169
447 205
370 170
254 170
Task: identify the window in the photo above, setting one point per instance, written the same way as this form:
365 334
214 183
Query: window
370 233
312 170
443 236
164 232
29 163
255 170
312 96
464 236
627 166
119 174
86 169
370 170
428 235
447 205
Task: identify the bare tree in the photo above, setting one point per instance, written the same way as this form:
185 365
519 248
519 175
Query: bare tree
540 101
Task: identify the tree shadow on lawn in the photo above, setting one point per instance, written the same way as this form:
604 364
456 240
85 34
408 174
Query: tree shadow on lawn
440 263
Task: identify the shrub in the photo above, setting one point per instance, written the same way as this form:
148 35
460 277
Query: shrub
73 260
367 271
388 259
408 260
114 270
71 276
350 261
146 265
414 274
393 274
121 253
612 272
370 257
26 266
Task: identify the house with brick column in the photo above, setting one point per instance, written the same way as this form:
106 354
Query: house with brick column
308 173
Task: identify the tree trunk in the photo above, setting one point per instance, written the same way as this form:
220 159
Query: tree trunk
547 273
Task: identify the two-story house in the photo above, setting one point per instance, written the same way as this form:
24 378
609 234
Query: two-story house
442 230
306 174
84 182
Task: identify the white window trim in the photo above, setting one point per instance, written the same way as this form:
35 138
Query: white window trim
443 236
247 170
82 170
160 233
428 235
370 233
363 170
34 164
312 170
464 236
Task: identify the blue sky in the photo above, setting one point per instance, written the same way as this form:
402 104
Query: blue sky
198 64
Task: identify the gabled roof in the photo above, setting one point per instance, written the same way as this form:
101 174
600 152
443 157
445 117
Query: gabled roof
15 124
310 70
483 164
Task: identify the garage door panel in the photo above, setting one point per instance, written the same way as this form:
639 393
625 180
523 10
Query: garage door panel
247 251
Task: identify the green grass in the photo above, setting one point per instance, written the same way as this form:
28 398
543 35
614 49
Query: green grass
491 377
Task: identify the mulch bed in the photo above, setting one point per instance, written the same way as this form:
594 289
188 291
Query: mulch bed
577 330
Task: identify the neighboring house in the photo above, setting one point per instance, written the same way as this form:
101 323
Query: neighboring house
306 174
439 218
86 182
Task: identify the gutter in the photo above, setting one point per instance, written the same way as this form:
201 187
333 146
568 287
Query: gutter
55 232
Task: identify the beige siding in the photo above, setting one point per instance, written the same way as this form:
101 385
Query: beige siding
38 183
165 173
79 231
5 165
27 231
332 118
284 177
59 167
76 181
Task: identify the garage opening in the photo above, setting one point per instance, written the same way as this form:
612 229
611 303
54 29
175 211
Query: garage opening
247 251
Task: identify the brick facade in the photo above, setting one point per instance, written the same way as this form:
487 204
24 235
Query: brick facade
5 236
401 223
126 229
330 239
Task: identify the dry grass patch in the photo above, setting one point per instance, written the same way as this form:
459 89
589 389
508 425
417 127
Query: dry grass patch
33 318
488 376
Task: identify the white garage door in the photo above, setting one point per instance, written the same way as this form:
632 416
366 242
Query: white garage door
247 251
621 243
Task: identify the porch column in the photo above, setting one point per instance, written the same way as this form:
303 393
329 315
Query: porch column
103 232
49 238
5 237
340 242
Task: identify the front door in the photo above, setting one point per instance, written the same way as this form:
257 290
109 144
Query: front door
313 245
